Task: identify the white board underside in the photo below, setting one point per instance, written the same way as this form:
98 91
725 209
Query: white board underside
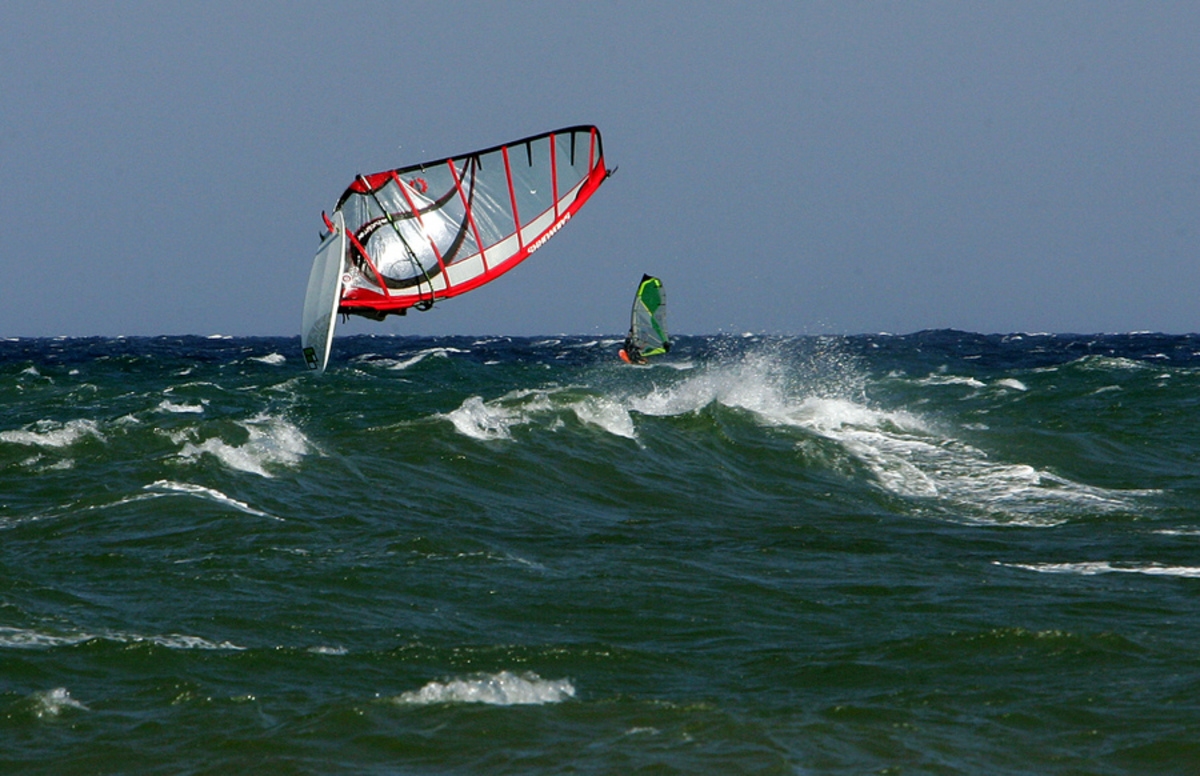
322 298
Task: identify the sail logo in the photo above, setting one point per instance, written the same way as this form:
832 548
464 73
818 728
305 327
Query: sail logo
539 242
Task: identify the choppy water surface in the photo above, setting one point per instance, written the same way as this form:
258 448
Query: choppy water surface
938 553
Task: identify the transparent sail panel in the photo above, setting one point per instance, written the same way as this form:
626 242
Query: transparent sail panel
533 185
648 327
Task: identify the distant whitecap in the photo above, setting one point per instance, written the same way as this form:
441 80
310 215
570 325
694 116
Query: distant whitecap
1092 568
502 689
274 359
166 405
52 703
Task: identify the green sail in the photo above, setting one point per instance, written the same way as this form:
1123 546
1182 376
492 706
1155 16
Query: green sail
648 325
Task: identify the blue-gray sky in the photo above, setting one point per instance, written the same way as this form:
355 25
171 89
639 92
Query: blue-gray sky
785 167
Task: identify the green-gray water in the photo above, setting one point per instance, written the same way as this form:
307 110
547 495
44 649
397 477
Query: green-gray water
941 553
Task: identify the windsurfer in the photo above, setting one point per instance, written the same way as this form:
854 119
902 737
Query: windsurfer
648 324
631 352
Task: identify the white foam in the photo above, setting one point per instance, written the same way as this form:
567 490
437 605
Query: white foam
643 731
51 703
912 461
167 487
606 413
53 433
1097 363
416 358
1092 568
323 650
943 379
166 405
36 462
182 641
23 638
757 383
479 420
274 359
273 441
401 364
495 419
502 689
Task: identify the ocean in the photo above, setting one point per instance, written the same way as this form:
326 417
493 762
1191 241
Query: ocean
934 553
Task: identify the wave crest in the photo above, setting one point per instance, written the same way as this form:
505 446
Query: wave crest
502 689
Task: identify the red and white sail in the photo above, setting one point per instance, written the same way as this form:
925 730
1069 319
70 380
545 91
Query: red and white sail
431 231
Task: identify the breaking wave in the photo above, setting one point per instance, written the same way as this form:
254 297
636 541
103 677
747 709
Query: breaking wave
271 441
906 453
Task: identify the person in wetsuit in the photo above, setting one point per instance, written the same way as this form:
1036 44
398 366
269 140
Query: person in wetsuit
631 352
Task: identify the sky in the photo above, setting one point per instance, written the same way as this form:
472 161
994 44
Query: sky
788 167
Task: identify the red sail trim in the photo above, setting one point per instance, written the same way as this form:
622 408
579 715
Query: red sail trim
462 195
366 299
512 197
358 186
363 252
365 184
